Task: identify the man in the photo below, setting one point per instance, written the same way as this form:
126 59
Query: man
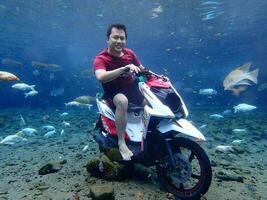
114 67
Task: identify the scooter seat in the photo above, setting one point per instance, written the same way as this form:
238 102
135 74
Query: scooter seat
134 108
131 107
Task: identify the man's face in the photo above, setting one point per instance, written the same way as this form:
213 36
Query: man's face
117 40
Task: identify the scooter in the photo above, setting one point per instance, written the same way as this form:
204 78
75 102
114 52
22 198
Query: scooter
159 135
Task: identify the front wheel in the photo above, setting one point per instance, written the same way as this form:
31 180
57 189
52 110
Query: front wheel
188 176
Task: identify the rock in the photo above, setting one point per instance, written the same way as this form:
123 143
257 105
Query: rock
229 177
225 163
63 162
50 167
102 192
40 186
108 170
241 150
213 163
143 173
113 154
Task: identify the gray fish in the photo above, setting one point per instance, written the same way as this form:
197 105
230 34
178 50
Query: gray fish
12 139
227 112
12 63
243 107
239 130
48 128
211 3
207 91
49 134
22 121
216 116
224 149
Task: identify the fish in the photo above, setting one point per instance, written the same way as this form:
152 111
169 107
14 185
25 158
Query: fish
156 11
66 123
238 79
62 132
35 72
57 92
224 149
216 116
48 128
11 63
22 121
189 90
227 112
154 15
28 132
31 93
12 139
45 118
87 73
203 126
240 130
79 105
23 86
72 103
64 114
238 142
85 99
49 134
85 148
208 91
262 87
46 66
209 16
211 3
6 76
243 107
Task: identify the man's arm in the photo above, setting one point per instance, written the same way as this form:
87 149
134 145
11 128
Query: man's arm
106 76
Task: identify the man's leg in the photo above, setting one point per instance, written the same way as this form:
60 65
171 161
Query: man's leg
121 103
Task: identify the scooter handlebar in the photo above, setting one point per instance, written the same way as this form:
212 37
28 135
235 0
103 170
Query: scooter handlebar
145 72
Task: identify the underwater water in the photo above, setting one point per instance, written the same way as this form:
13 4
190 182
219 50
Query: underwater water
195 43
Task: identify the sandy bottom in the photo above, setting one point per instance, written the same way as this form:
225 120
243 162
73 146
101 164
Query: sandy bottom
19 164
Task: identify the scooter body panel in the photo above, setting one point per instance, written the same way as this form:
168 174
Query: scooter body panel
182 126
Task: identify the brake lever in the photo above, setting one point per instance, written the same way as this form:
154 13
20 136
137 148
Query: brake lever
164 78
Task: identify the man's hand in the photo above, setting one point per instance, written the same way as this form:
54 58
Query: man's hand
131 68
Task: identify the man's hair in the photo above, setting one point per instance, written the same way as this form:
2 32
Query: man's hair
117 26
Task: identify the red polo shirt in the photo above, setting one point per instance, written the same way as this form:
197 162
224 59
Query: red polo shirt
109 62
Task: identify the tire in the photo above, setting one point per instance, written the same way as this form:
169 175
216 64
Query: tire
179 180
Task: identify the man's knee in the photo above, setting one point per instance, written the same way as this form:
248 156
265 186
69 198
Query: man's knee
120 101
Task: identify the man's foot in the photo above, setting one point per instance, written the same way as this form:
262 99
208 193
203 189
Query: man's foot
125 151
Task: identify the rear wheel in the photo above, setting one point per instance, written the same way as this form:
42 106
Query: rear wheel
191 176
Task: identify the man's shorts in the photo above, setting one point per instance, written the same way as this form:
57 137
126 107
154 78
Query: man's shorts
132 93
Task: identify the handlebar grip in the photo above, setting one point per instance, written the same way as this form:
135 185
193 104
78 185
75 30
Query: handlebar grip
127 69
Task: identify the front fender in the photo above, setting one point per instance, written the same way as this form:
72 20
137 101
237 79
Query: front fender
182 126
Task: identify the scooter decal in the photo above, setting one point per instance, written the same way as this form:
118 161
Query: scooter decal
158 82
110 127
